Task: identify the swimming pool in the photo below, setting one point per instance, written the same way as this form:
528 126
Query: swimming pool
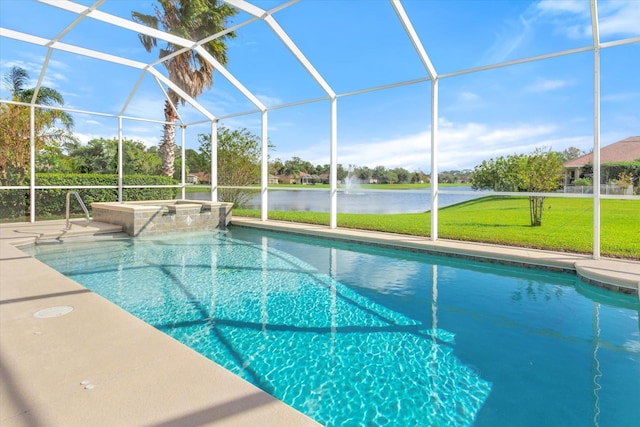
360 335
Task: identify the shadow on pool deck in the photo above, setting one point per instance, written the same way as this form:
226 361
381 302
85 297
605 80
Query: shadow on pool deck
99 365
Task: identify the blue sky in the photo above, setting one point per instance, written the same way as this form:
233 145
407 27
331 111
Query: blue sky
356 45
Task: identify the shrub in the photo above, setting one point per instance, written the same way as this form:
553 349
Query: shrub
611 171
51 202
582 182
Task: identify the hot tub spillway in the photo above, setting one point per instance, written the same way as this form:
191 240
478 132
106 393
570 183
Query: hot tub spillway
163 216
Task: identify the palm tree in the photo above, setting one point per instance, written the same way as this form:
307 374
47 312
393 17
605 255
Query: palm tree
15 127
193 20
16 81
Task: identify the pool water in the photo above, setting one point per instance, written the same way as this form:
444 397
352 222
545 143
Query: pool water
356 335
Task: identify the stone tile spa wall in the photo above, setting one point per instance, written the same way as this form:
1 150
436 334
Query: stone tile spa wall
163 216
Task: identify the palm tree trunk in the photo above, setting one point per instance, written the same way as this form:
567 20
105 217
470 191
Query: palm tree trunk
167 147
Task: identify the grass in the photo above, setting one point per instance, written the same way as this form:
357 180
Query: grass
566 224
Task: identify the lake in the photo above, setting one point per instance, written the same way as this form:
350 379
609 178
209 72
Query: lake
357 200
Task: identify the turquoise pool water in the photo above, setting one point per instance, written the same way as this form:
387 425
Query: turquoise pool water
358 335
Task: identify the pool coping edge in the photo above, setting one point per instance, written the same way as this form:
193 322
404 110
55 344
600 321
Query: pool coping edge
604 273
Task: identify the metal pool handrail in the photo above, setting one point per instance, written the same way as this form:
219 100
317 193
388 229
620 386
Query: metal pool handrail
82 205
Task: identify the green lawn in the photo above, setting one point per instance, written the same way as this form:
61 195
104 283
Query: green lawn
566 224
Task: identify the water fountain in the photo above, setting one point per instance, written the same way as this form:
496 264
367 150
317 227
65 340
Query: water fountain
351 182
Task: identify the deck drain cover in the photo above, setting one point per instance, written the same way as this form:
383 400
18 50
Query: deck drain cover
53 312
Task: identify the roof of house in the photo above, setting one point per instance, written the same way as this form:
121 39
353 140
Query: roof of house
626 150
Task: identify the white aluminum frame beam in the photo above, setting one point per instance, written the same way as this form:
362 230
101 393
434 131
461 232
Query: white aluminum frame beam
413 36
158 34
311 70
214 161
434 159
32 163
264 169
50 50
333 162
158 75
183 163
428 65
169 100
28 38
596 128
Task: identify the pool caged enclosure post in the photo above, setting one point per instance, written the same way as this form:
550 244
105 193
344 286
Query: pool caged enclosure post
596 129
214 160
264 177
433 75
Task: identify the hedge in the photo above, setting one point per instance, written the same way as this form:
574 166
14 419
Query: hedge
51 202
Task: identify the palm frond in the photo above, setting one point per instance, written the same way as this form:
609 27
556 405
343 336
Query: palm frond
150 21
48 96
16 80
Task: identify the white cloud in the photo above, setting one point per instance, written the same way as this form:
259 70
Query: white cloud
399 152
573 17
147 133
620 18
547 85
577 31
461 146
148 141
510 39
86 137
522 132
269 100
34 68
6 65
144 107
57 65
88 127
222 102
620 96
579 7
468 97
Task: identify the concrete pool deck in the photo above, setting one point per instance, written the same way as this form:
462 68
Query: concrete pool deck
99 365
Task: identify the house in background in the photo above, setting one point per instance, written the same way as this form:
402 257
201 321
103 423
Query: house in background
627 150
202 178
286 179
306 178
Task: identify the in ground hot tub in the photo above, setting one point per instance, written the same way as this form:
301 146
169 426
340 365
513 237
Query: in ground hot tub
163 216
